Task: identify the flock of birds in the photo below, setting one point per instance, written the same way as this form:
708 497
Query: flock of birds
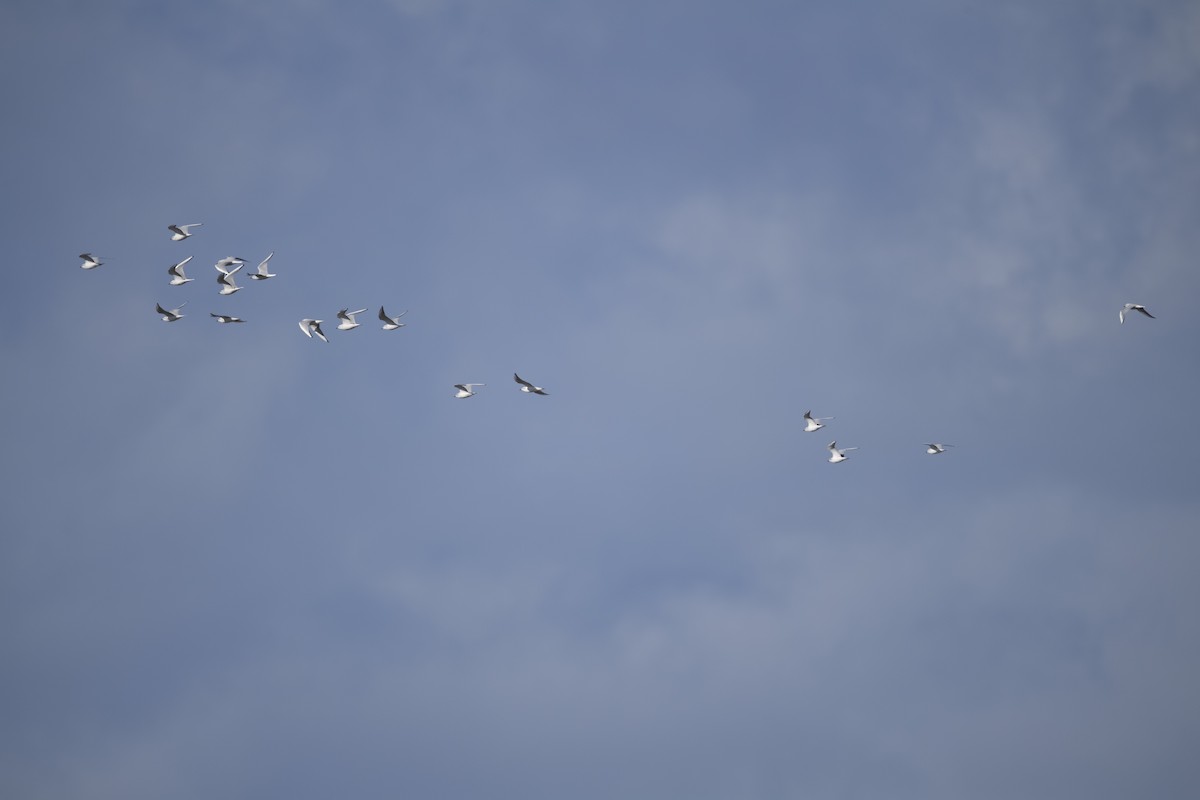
229 266
838 455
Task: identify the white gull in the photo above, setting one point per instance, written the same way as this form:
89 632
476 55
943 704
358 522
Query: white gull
181 232
176 273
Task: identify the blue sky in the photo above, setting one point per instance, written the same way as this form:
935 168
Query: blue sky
242 563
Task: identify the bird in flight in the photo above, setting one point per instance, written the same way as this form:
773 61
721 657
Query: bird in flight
935 449
181 232
347 319
465 389
225 318
172 315
812 423
526 386
261 273
1133 307
89 261
228 261
225 279
311 326
836 455
176 273
392 323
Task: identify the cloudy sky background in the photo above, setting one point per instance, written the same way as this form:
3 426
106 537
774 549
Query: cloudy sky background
241 563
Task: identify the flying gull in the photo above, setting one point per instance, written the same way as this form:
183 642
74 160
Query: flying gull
812 423
311 326
170 316
465 389
1134 307
935 449
89 261
181 232
225 318
225 279
836 455
392 323
176 273
261 273
347 319
526 386
228 261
